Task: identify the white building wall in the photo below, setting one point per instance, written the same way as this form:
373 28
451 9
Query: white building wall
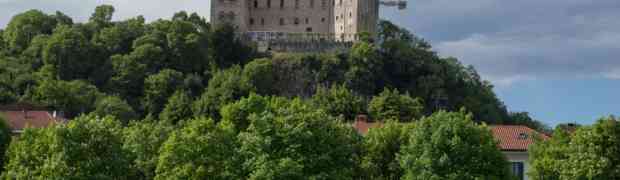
519 157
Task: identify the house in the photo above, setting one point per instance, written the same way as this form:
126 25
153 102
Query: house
513 140
20 120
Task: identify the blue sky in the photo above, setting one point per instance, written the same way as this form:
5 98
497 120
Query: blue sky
557 59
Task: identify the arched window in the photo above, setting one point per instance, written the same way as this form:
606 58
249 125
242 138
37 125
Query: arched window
255 3
282 4
268 3
251 21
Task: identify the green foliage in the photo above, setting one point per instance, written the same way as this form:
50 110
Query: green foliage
102 16
228 50
178 108
295 141
381 146
158 88
225 87
593 152
201 150
5 140
142 141
73 97
87 148
25 26
67 55
238 113
547 157
339 101
451 146
115 107
390 104
260 75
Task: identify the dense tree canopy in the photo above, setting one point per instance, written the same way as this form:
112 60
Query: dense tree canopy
451 146
5 140
591 152
88 147
200 150
297 141
380 149
391 105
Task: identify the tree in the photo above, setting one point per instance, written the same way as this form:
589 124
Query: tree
142 140
102 16
593 152
68 55
296 141
238 113
451 146
158 88
381 146
5 140
178 108
24 27
390 104
88 147
201 150
73 97
227 49
260 75
339 101
547 157
225 87
116 107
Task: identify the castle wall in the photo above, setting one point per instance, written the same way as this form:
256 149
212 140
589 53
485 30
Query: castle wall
341 20
295 16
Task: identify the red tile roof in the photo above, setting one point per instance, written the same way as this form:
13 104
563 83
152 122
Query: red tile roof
19 120
515 138
362 127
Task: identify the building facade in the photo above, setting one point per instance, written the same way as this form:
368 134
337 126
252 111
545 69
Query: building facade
263 20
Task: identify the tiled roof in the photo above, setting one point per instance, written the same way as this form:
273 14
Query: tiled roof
515 138
362 127
19 120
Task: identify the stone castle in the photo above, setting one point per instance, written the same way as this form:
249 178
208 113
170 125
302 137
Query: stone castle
289 21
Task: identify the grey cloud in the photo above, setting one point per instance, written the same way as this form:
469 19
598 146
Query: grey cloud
508 41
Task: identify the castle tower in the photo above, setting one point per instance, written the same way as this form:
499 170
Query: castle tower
355 16
230 11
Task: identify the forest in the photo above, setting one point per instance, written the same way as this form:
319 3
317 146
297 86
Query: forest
180 98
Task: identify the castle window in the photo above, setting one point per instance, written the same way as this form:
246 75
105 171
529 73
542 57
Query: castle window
251 21
262 21
282 4
296 21
324 3
322 19
268 3
281 21
309 29
296 4
307 20
255 3
311 3
340 3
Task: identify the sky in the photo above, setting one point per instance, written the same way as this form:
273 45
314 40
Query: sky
557 59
